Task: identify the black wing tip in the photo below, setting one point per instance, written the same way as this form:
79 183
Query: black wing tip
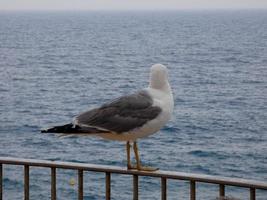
43 131
49 130
59 129
70 129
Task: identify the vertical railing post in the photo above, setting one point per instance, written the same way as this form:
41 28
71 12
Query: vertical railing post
26 182
222 190
135 187
1 181
53 184
163 188
192 190
252 194
108 188
80 184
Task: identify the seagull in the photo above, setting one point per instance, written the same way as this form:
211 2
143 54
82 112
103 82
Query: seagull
128 118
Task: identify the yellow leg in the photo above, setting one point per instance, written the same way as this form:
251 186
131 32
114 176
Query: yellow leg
138 162
128 150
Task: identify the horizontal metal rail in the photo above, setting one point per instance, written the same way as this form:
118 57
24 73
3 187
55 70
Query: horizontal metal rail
164 175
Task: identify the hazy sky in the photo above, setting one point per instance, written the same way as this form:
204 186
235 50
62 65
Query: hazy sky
129 4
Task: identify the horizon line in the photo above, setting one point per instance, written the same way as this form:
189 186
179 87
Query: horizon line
142 10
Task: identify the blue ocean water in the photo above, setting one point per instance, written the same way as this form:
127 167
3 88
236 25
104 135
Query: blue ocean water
54 65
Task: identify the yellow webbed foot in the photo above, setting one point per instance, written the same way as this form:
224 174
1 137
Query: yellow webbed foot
147 168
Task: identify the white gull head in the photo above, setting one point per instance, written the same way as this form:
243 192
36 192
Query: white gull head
159 78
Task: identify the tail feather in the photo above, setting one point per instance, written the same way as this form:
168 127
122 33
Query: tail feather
70 129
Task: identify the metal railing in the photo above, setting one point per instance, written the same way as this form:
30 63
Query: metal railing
108 170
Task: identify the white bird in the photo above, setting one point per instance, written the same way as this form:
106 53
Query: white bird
128 118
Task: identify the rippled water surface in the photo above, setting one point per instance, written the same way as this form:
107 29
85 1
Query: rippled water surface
54 65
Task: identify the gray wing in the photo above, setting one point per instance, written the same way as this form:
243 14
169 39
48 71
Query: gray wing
121 115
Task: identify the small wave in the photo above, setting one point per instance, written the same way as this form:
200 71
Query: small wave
171 129
195 127
200 153
252 81
202 169
12 183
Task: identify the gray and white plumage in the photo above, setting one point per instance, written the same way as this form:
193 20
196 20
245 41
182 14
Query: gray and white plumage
122 114
129 117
